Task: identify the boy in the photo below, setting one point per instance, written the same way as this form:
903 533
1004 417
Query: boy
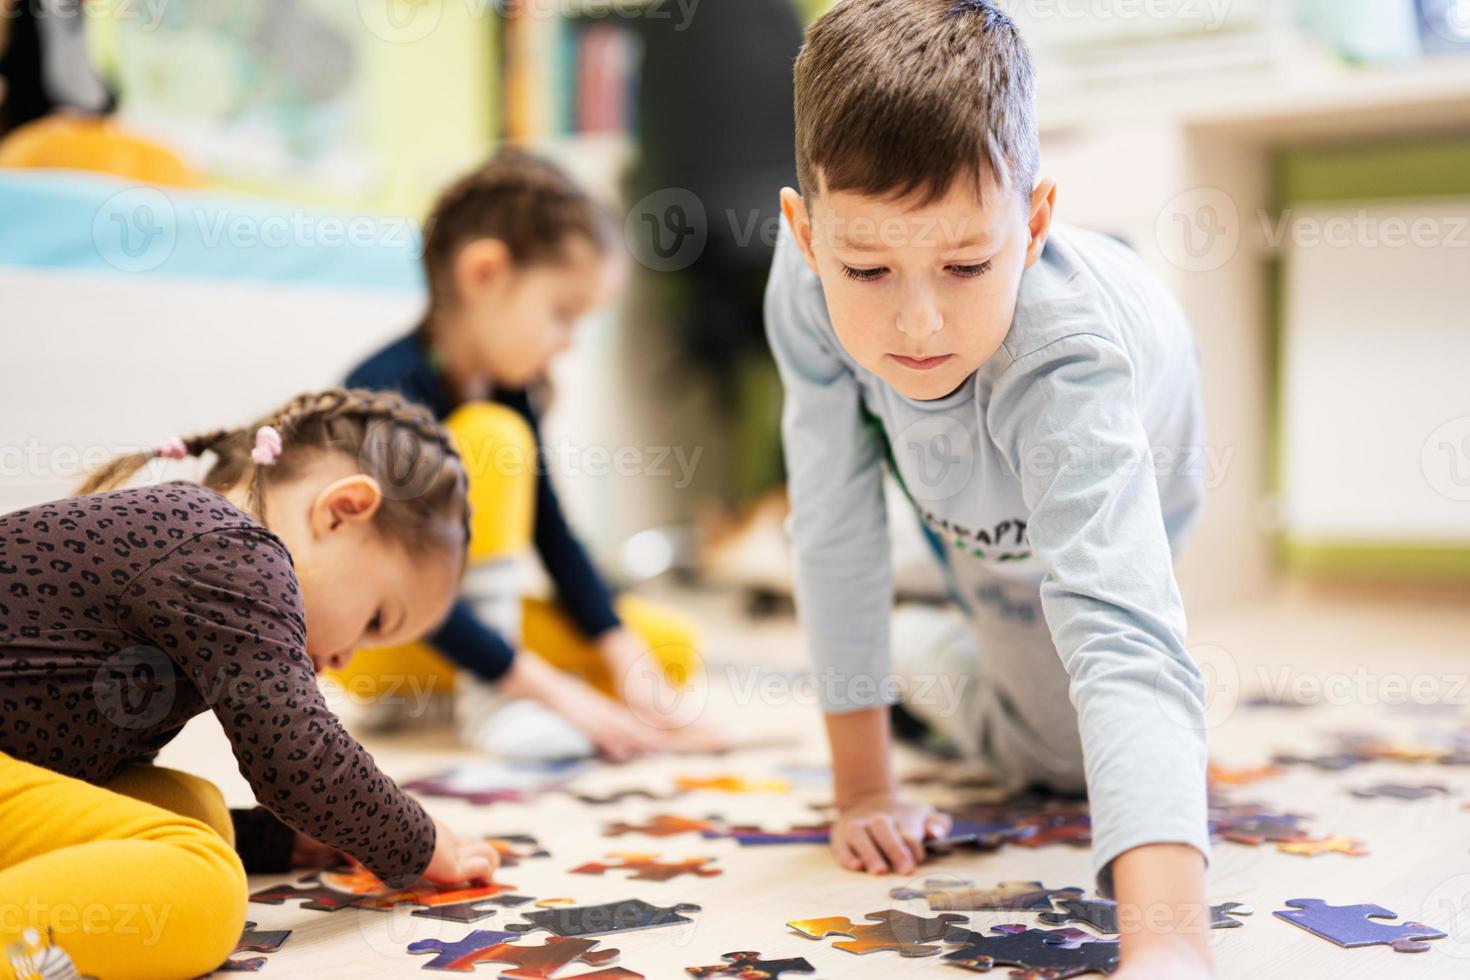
1019 377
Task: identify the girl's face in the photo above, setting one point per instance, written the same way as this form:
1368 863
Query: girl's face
517 318
359 588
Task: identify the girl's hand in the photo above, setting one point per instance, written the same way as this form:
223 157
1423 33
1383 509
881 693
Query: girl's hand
885 832
616 732
459 859
646 691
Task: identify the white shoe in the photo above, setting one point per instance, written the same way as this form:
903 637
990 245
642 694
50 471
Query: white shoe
516 729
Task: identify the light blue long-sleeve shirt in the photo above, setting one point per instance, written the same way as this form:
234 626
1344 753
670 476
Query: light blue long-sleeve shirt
1073 459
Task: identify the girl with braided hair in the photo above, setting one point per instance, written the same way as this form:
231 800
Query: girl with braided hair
339 521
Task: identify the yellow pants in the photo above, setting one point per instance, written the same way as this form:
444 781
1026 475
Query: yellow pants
137 881
499 453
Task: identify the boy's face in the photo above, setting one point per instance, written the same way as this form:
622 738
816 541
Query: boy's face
519 317
921 295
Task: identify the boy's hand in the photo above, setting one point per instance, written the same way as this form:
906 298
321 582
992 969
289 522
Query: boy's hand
885 832
1165 961
459 859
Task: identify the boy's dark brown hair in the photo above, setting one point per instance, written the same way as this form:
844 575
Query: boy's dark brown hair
526 202
899 98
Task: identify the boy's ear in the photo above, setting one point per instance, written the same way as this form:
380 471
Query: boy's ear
351 500
1043 200
794 208
479 264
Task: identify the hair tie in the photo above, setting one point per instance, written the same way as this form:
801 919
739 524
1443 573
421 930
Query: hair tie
267 446
172 448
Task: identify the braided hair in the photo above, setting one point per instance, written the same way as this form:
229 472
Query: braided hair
394 441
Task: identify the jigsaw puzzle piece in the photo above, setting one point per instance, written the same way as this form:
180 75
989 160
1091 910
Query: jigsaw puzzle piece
748 965
731 784
663 825
1052 954
1400 792
1353 925
647 867
318 898
1102 914
1337 844
600 920
515 848
1008 896
540 962
461 955
890 929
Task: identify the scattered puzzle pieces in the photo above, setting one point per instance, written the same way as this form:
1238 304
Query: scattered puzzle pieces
731 784
600 920
1102 914
749 836
1044 954
748 965
462 954
483 783
1353 925
1327 845
318 898
891 929
359 888
647 867
1221 776
619 796
663 825
515 848
254 940
1007 896
1399 792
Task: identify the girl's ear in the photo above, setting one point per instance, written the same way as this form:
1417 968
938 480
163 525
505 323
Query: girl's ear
479 265
350 500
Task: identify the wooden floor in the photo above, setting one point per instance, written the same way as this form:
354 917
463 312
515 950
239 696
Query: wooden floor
1357 651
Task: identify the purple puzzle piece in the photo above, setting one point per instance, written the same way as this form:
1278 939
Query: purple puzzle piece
1353 925
447 954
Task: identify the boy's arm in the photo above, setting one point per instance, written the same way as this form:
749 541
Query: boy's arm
838 525
1066 418
844 589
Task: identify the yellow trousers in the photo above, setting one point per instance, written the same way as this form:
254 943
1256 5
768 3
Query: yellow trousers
136 881
499 452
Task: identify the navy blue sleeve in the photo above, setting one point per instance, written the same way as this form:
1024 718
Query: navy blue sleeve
474 646
580 589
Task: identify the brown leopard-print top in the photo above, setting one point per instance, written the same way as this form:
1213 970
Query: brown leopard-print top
124 614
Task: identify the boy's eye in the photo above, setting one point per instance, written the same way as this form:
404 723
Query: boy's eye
863 275
971 271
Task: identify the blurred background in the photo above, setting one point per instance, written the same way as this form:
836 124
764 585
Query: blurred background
207 206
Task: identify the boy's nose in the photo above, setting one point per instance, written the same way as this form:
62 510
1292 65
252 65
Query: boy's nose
919 317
